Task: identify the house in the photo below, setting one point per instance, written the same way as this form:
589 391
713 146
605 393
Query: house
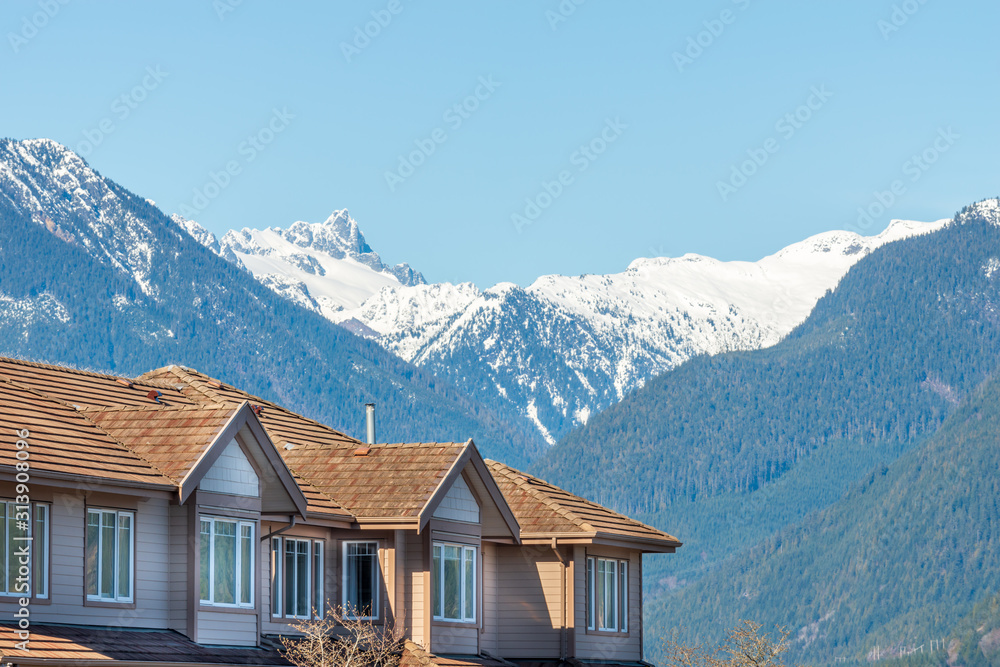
174 518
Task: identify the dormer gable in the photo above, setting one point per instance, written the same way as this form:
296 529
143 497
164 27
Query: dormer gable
232 474
459 503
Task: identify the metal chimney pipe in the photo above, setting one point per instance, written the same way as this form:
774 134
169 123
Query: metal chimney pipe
370 423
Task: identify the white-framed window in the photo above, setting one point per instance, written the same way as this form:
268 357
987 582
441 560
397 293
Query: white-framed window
453 579
227 562
110 555
607 594
24 542
296 578
361 579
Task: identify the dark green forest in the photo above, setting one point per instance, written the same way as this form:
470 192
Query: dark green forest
206 313
776 467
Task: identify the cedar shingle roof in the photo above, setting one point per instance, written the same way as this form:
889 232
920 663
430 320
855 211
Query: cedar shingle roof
392 481
170 438
85 423
63 441
64 644
542 509
83 388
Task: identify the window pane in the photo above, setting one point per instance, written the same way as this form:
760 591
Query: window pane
246 564
40 553
206 563
93 546
16 528
590 593
124 548
107 565
470 584
452 582
290 577
224 547
436 583
276 576
319 599
302 578
623 595
361 569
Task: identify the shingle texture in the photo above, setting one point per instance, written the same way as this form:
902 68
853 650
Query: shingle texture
64 644
153 429
542 509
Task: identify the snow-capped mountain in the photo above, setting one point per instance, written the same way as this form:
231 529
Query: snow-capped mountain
96 276
564 347
326 266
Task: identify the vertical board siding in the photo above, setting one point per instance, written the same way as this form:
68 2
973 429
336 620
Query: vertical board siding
530 599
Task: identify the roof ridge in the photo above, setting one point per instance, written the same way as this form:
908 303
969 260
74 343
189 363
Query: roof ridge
62 369
159 407
513 474
182 374
195 376
78 411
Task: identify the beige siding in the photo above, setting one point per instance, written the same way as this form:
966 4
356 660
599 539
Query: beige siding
68 520
597 646
177 573
227 629
530 598
490 607
414 587
455 640
231 473
458 504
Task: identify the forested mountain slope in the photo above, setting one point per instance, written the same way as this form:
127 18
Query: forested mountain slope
95 276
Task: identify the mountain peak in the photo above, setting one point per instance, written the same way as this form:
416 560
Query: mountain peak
987 209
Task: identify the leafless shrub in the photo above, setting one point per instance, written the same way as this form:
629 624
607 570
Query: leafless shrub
341 640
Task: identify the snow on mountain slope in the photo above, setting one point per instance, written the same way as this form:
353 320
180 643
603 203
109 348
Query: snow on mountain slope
325 266
565 347
57 188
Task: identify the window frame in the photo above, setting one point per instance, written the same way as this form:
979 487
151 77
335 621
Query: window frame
238 564
37 568
620 577
315 589
118 514
377 584
438 583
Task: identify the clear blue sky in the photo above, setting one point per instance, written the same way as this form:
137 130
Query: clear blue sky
885 94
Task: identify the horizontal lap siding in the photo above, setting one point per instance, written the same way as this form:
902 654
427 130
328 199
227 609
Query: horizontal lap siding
414 587
67 530
178 568
227 629
530 599
603 647
491 603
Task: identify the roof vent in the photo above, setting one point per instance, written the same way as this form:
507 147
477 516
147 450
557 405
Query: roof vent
124 382
362 451
289 446
257 409
154 395
370 423
214 384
